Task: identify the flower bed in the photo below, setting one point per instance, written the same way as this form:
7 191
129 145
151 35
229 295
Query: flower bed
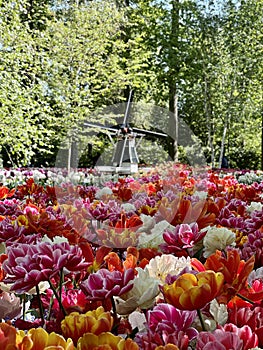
169 260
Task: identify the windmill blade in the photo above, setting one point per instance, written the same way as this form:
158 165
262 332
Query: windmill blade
145 132
101 127
128 109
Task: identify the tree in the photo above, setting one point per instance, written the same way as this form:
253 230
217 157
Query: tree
54 77
25 114
220 93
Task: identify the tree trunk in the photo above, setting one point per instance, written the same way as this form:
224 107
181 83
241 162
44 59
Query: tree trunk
174 68
262 140
209 125
174 102
222 150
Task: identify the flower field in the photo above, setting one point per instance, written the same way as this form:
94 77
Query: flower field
166 260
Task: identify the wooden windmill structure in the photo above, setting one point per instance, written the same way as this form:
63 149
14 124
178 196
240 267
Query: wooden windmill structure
127 139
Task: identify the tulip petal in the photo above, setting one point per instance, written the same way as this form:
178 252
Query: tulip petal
39 337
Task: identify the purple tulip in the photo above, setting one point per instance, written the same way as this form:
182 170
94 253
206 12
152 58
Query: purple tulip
167 318
105 284
9 231
254 246
27 265
166 324
182 237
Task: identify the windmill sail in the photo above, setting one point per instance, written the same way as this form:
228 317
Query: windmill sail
125 158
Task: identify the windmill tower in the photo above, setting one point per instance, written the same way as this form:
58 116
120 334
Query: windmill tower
125 159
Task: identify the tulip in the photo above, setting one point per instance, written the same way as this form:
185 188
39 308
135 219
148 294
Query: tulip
219 340
105 284
143 293
183 211
10 231
39 339
75 325
167 347
29 264
181 240
217 238
166 319
249 338
5 192
192 292
112 238
254 245
133 223
7 337
151 340
114 262
167 264
105 341
235 273
252 317
10 305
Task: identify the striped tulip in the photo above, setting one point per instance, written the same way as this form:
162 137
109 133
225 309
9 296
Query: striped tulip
39 339
105 341
193 291
75 325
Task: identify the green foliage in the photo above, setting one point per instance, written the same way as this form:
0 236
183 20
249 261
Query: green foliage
63 61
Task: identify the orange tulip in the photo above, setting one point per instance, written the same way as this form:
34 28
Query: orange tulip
182 210
167 347
6 193
97 321
192 292
3 257
7 337
235 272
132 223
105 341
114 262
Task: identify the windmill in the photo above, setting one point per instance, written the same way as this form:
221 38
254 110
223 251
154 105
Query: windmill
125 158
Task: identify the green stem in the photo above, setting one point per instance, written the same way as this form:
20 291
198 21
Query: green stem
41 310
61 280
245 298
199 313
24 305
51 302
58 298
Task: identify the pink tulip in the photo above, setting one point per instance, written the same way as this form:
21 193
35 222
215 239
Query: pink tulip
253 317
218 340
167 318
250 339
105 284
183 237
167 325
27 265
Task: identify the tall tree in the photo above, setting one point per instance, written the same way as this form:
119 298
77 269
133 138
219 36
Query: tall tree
54 77
24 112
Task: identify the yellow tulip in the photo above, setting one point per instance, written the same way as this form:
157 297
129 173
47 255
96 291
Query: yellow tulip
105 341
39 339
75 325
192 292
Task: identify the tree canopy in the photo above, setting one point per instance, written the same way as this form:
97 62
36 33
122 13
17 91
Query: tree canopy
61 60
